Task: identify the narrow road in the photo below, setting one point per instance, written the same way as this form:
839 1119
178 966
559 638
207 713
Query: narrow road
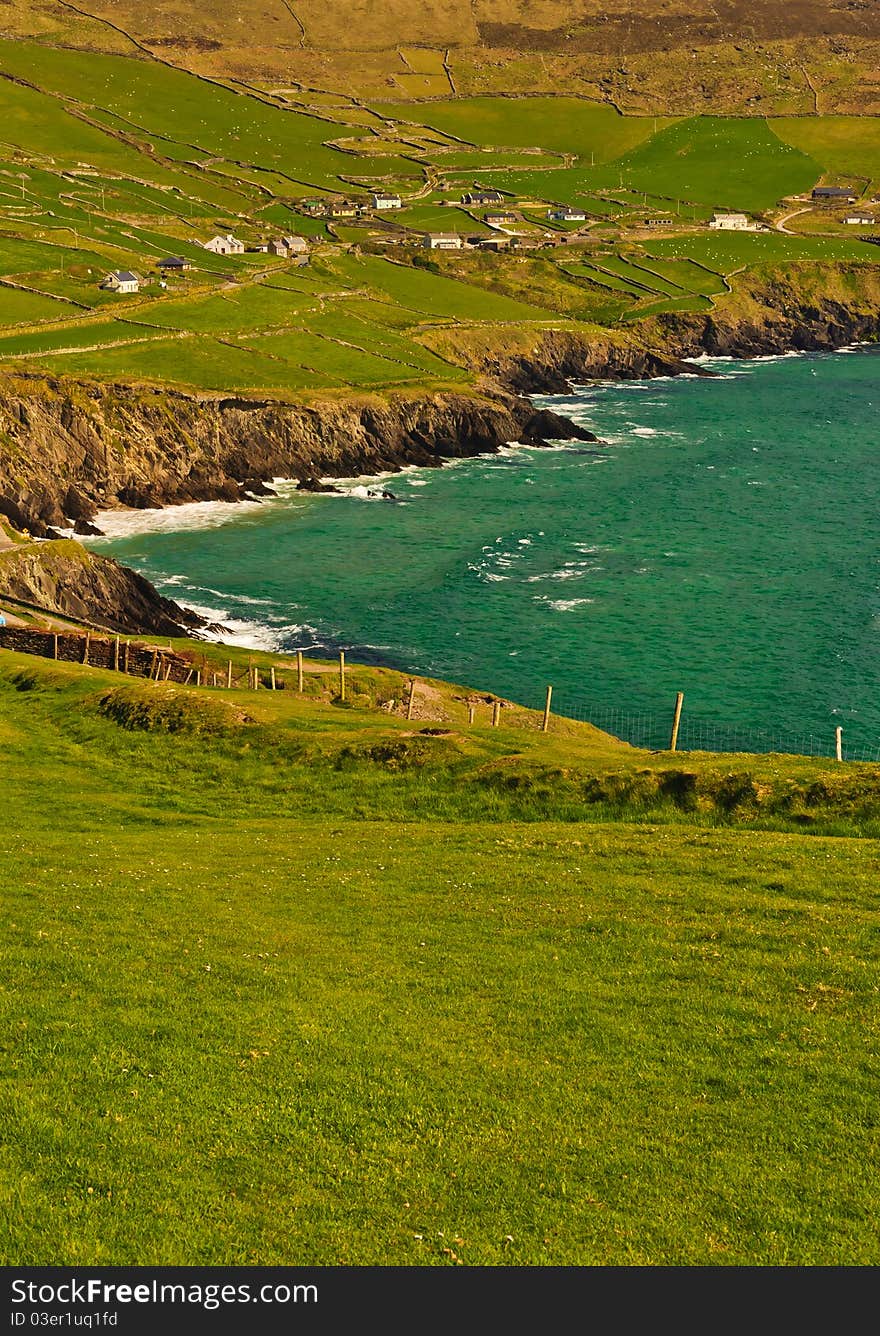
780 225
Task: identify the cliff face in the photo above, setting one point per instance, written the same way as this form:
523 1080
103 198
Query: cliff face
809 308
67 450
64 578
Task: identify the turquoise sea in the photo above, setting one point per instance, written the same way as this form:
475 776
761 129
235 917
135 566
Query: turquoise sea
723 541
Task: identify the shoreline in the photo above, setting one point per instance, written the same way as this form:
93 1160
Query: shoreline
252 630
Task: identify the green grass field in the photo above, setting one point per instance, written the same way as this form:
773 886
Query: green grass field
324 988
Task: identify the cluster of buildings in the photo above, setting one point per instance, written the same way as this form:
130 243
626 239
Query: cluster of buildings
125 282
380 202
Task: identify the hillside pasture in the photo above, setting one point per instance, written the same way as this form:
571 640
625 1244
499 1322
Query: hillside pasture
588 130
710 160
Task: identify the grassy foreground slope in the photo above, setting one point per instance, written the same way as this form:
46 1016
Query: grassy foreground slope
252 1019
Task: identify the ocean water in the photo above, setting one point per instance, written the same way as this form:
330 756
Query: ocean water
724 540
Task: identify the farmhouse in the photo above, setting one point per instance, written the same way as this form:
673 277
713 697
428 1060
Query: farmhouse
121 281
286 247
658 222
175 264
860 220
835 193
442 241
228 245
384 202
567 214
499 219
343 209
482 197
731 222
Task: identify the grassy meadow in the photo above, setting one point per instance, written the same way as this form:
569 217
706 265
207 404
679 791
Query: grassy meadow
291 980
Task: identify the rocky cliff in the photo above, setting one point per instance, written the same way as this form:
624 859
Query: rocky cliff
802 307
64 578
69 449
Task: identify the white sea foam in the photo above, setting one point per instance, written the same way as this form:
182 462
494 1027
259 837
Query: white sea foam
564 604
192 515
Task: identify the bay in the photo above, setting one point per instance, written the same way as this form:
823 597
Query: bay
724 540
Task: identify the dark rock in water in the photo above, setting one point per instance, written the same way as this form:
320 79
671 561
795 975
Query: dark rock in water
85 527
544 425
315 485
380 494
255 487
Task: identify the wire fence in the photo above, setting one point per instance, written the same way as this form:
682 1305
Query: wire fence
651 730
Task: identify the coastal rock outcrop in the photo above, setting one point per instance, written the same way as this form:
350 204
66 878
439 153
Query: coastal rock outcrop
67 579
68 450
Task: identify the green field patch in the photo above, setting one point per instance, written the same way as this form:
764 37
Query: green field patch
199 362
687 274
726 252
846 147
592 130
717 161
334 360
634 278
21 256
345 321
605 278
155 98
432 295
89 334
29 308
237 310
690 302
428 218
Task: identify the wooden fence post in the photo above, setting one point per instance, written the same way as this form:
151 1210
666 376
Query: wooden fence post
86 647
471 712
55 647
229 674
272 676
125 656
838 742
299 671
155 660
116 654
411 700
545 726
342 674
496 712
198 677
188 677
676 720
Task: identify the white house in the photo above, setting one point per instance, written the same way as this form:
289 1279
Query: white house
442 241
731 222
228 245
121 281
861 220
382 201
567 214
